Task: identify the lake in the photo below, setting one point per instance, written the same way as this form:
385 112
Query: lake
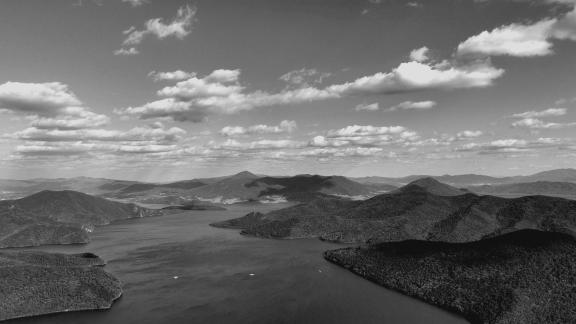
177 269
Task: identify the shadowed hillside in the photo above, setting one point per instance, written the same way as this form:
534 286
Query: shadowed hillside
300 221
527 277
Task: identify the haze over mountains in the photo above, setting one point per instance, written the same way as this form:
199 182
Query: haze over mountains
558 175
246 186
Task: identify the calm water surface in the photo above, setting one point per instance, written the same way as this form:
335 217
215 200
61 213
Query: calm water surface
177 269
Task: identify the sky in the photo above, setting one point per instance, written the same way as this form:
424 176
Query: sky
166 90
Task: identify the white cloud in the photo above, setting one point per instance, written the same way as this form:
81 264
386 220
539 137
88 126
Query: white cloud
167 108
232 144
141 134
367 107
531 119
83 119
304 77
136 3
511 145
513 40
178 28
286 126
420 54
48 106
364 136
357 130
328 152
414 105
535 123
469 134
153 139
221 92
177 75
416 76
522 40
127 51
550 112
37 98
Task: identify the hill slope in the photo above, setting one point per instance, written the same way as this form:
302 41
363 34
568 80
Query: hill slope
36 283
524 277
59 217
414 213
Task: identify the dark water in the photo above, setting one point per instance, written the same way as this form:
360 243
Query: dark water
177 269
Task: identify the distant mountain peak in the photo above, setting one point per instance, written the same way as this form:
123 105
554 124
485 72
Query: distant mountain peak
244 174
426 182
51 194
432 186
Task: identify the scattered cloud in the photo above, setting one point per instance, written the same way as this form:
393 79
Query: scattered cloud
304 77
232 144
365 136
417 76
48 106
550 112
151 139
177 75
179 27
535 123
130 51
37 98
522 40
136 3
469 134
137 134
368 107
531 119
73 120
221 92
511 145
420 54
414 105
286 126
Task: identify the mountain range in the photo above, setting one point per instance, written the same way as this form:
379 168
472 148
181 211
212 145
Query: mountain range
465 180
246 186
424 209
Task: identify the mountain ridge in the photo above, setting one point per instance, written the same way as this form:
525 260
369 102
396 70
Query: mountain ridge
412 213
